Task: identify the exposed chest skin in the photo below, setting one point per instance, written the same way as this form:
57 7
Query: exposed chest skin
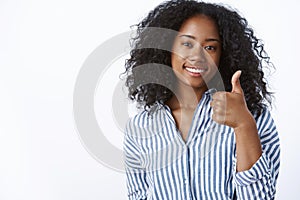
183 118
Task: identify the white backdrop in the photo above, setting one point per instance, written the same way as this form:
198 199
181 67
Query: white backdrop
43 45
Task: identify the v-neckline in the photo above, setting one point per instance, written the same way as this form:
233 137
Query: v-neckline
179 133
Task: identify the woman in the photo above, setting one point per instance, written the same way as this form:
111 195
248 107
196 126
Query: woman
191 142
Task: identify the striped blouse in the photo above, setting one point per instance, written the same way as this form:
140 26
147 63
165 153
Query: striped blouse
160 165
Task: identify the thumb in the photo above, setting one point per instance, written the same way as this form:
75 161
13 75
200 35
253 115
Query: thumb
235 81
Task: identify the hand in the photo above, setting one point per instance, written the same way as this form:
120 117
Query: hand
230 108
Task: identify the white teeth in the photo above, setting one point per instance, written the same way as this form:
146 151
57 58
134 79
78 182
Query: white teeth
194 70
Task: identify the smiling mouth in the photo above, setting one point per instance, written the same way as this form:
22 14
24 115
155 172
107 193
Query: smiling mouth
195 70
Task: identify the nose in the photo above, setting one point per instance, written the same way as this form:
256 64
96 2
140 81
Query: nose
198 55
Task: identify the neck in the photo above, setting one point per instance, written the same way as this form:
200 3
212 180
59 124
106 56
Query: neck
186 96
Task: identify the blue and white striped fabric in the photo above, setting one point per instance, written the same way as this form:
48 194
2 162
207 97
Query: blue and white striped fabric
161 166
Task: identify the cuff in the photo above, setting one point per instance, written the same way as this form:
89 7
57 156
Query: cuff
256 172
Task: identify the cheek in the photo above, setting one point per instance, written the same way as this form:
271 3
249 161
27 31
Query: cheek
216 59
176 60
180 53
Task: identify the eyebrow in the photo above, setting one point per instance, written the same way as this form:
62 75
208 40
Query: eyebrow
207 40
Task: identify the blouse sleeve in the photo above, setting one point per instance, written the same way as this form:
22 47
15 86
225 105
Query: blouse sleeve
135 174
259 182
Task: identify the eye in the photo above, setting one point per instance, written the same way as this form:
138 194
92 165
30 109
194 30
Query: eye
187 44
210 48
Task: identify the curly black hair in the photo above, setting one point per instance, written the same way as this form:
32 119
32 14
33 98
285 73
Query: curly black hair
241 50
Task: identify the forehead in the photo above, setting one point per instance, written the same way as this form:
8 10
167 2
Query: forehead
200 26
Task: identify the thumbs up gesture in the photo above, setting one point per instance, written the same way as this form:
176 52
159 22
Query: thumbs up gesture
235 81
230 108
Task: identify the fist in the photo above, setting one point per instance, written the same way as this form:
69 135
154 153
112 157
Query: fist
230 108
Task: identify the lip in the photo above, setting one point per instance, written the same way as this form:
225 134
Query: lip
195 71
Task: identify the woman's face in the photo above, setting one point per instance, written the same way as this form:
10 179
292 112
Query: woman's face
196 51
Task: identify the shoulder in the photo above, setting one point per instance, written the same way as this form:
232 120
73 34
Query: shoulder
265 122
145 122
264 116
138 120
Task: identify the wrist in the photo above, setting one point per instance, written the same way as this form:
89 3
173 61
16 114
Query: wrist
247 124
